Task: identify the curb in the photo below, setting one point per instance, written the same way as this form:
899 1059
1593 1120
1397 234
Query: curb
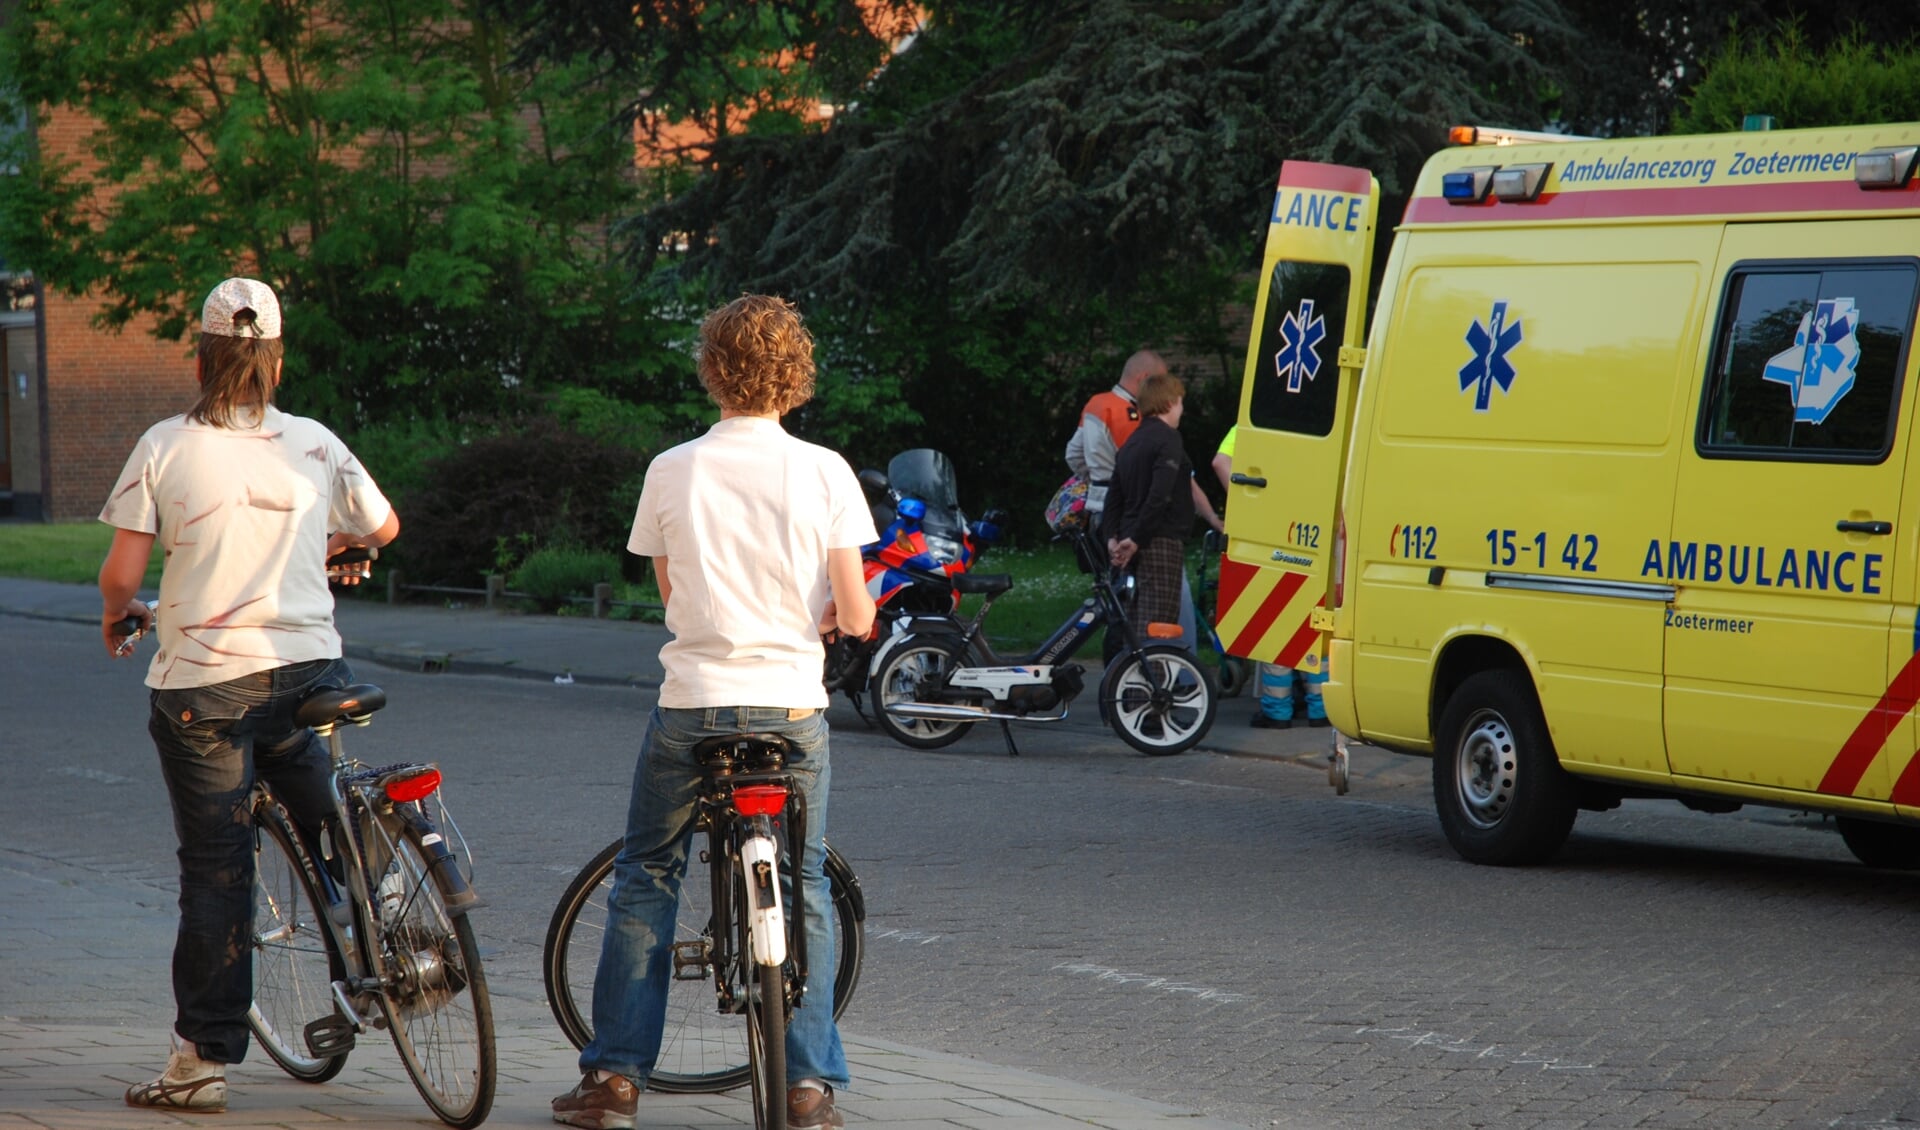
445 663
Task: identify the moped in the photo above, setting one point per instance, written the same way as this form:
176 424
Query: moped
925 541
937 676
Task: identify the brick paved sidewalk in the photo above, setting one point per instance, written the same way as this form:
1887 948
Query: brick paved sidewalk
84 1010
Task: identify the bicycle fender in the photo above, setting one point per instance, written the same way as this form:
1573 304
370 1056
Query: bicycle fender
767 930
444 869
839 868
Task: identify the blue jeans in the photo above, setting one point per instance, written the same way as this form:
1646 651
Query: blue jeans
1276 692
213 742
630 986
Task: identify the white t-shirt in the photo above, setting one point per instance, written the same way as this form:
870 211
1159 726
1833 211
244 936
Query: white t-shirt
243 515
745 516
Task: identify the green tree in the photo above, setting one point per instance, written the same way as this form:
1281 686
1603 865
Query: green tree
1026 193
435 218
1852 82
1639 60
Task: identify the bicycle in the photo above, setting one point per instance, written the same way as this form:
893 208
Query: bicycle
735 937
371 917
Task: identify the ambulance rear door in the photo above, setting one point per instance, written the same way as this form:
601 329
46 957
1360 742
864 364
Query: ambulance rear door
1296 405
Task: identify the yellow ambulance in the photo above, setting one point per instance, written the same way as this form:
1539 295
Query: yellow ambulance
1615 497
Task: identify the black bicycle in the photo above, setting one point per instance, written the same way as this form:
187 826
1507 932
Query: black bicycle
740 937
365 924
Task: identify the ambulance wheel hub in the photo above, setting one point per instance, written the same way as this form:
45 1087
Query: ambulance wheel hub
1487 769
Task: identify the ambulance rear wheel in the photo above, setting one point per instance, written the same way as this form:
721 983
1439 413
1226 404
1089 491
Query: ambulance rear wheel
1502 796
1893 846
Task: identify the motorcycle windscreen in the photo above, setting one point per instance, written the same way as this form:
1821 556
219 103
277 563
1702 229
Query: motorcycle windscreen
927 475
1296 404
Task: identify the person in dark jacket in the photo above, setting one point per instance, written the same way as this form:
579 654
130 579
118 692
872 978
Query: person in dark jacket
1150 503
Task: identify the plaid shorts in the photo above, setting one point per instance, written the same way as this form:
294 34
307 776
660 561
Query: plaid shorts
1157 570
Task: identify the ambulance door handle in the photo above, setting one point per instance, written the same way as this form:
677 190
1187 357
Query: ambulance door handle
1864 527
1239 479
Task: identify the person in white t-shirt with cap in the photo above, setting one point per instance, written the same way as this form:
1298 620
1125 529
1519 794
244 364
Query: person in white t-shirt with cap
248 503
755 538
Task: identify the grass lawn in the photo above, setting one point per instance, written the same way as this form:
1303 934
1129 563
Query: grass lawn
65 551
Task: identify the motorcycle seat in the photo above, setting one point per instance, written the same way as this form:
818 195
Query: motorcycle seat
982 583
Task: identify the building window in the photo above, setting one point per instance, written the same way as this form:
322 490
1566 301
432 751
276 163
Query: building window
16 291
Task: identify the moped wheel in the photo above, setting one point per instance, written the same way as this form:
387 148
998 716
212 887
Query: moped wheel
295 957
906 675
1160 700
703 1051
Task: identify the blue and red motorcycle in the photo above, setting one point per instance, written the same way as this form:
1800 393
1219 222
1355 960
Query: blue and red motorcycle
925 540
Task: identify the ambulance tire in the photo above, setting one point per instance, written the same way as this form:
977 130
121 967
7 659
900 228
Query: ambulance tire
1502 796
1895 847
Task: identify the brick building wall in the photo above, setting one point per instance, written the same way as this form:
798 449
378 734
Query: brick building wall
102 389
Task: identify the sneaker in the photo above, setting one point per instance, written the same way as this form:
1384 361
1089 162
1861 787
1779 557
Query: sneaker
599 1104
1318 723
1262 722
810 1108
189 1083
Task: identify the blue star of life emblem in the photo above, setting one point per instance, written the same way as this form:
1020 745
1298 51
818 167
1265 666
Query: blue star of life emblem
1820 365
1491 342
1301 332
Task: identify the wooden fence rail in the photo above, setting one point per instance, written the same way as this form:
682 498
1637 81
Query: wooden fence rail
496 592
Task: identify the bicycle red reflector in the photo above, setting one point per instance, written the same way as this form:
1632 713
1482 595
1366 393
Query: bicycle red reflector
415 787
760 800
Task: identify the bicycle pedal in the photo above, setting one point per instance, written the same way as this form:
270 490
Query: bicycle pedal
329 1036
692 961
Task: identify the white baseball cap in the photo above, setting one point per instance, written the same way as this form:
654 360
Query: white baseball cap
233 296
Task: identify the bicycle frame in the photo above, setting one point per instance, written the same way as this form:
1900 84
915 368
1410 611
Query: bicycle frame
1106 608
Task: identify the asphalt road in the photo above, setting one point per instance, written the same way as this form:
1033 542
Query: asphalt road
1220 933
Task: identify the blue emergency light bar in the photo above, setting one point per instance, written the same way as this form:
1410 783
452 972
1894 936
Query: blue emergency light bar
1467 186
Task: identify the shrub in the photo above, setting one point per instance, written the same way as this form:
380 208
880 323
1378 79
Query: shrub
487 505
553 574
398 454
1852 82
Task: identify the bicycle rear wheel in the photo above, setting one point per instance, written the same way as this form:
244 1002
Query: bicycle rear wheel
766 1038
295 957
703 1051
435 994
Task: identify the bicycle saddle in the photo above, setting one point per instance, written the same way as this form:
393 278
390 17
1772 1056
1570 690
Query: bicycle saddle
987 583
329 704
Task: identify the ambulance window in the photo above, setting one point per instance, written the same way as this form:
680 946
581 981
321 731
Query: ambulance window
1297 382
1808 359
